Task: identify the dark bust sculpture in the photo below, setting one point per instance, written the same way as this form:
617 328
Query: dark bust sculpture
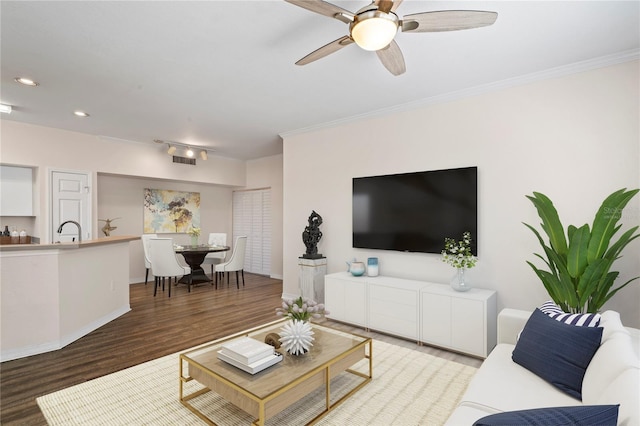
311 235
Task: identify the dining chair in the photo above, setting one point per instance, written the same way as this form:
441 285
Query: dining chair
145 247
235 262
164 263
216 239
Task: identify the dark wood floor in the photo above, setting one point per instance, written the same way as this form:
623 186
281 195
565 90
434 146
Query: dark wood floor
155 327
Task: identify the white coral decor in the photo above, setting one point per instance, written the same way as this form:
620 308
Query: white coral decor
296 337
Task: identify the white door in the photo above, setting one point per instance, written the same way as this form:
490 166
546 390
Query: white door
70 200
252 217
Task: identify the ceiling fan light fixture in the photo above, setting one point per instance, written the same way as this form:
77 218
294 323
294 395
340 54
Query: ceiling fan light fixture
374 30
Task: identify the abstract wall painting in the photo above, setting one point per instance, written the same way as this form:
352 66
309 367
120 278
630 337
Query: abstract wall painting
167 211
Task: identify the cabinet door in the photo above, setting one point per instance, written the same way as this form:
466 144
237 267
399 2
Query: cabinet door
436 319
355 303
468 326
334 299
16 191
393 310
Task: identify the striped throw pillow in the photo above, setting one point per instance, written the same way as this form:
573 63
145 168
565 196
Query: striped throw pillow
555 312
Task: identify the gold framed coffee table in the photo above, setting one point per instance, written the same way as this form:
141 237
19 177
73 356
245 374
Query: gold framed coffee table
265 394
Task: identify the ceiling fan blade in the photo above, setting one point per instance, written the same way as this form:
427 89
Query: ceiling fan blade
392 59
387 5
324 8
396 3
325 50
447 20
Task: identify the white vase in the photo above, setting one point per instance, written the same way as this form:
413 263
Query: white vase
296 337
459 280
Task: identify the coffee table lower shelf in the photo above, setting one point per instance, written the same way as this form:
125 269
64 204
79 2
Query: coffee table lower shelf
263 408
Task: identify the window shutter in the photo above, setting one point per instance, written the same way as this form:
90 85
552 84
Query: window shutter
252 217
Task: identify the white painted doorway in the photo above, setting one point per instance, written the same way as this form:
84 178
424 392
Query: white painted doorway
70 200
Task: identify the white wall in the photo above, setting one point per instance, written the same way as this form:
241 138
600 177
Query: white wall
267 173
573 138
122 196
121 169
45 147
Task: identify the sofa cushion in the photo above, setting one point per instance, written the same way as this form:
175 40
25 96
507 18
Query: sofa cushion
559 353
614 355
611 325
502 385
624 390
468 413
587 415
554 311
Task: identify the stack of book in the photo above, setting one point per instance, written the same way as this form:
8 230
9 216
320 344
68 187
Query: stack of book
249 354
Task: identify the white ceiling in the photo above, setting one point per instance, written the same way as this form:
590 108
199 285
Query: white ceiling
221 74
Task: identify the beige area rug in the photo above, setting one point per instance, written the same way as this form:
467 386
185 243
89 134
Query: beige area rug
408 388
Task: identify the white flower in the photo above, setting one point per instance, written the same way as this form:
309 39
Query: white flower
301 309
458 254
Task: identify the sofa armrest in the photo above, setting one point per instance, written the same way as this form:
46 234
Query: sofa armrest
510 323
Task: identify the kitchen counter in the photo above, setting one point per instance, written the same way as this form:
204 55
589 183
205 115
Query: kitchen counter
53 294
69 245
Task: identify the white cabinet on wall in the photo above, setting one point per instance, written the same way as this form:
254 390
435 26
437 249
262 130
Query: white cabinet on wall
16 191
418 310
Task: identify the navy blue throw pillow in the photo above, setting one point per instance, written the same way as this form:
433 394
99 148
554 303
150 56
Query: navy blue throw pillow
558 353
584 415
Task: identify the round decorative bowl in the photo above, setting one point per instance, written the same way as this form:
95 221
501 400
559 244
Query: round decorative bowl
357 269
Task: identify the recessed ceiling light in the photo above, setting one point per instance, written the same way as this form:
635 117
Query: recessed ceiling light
26 81
81 113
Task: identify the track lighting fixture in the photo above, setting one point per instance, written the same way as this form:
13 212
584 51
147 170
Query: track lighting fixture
186 150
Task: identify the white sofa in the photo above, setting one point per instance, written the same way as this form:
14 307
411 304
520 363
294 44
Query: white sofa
612 376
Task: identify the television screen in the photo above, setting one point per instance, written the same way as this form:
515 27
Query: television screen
415 212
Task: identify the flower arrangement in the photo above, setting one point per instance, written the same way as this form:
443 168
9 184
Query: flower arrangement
458 253
194 232
301 309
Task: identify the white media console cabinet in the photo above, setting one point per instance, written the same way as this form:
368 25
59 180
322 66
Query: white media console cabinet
426 312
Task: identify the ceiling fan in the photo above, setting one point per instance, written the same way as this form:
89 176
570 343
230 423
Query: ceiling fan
374 27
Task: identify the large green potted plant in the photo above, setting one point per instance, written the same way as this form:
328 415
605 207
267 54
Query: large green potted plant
579 277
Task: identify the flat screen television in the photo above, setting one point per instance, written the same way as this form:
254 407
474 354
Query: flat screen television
415 212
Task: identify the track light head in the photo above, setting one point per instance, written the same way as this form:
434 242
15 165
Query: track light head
186 150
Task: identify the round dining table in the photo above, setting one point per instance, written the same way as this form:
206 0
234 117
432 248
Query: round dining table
194 256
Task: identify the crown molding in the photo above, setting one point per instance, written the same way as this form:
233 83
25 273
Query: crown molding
574 68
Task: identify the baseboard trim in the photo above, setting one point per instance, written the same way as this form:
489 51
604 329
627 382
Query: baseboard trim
55 345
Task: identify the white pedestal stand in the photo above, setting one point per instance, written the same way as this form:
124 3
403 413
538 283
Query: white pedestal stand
312 272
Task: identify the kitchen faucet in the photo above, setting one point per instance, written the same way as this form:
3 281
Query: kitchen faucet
75 223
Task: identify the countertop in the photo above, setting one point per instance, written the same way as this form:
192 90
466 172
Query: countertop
74 245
